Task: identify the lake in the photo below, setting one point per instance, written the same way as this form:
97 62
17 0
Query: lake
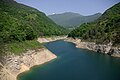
74 64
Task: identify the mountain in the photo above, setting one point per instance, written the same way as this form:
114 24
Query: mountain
19 22
104 30
69 19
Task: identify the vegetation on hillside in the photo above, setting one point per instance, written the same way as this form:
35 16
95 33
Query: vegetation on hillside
106 29
19 23
19 47
69 19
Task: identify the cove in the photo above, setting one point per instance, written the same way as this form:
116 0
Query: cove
74 64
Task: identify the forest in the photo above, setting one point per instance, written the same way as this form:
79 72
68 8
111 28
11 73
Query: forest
19 23
102 31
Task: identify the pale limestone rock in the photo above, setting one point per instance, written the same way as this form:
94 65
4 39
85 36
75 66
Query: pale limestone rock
102 48
18 64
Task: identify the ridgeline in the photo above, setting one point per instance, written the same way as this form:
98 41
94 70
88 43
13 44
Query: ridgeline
104 30
19 23
72 20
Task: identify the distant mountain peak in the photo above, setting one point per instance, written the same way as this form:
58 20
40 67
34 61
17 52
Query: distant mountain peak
66 13
72 19
71 13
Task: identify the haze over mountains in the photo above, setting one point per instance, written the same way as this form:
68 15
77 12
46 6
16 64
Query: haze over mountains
70 19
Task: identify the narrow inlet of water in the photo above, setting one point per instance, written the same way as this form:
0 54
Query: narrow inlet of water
74 64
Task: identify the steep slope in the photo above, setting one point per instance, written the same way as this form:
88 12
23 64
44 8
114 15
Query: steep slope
104 30
19 22
72 19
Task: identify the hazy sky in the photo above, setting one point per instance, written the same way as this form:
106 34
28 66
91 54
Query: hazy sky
84 7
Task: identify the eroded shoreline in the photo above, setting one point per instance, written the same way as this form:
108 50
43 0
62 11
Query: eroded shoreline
101 48
16 64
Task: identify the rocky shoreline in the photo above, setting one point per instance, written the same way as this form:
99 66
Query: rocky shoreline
50 39
13 65
101 48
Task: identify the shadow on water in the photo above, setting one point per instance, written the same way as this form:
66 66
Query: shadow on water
74 64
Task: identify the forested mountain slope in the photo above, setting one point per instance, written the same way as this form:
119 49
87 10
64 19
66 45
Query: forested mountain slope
104 30
20 22
21 25
70 19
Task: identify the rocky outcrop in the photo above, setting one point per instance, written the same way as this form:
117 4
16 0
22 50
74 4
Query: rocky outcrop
14 65
101 48
49 39
114 51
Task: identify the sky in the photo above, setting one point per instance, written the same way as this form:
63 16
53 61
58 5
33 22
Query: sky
83 7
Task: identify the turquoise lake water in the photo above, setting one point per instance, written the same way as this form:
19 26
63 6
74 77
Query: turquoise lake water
74 64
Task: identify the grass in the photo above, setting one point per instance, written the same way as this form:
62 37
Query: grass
21 47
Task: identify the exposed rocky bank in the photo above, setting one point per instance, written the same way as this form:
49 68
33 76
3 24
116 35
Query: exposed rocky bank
12 65
15 65
49 39
101 48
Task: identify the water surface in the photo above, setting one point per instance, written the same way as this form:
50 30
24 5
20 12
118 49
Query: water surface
74 64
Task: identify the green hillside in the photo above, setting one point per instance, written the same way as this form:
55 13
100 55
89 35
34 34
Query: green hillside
69 19
19 23
104 30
